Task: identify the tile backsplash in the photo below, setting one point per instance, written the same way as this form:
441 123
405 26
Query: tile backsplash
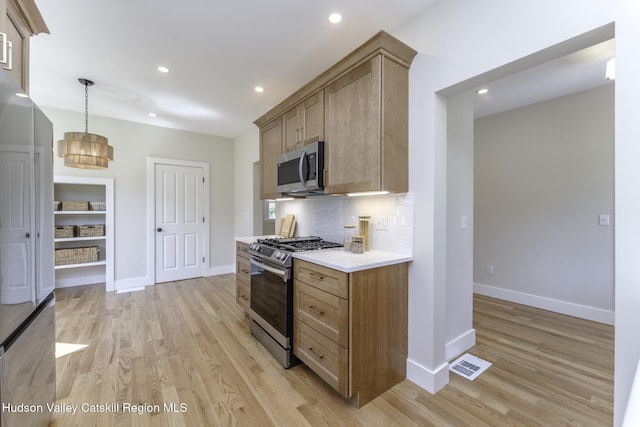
390 226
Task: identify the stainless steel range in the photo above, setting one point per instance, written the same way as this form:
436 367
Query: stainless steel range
272 291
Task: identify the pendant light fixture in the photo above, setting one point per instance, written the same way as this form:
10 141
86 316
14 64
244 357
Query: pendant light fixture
85 150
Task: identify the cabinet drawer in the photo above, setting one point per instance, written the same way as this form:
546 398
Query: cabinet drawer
329 280
323 356
324 312
243 270
241 250
243 294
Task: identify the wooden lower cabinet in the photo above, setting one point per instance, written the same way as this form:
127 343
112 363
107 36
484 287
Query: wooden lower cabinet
243 276
351 328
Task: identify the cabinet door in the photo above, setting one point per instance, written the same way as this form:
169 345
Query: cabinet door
312 112
17 47
352 131
270 149
291 125
304 123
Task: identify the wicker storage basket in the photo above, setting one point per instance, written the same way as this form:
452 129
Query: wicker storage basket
68 205
77 255
98 206
62 231
91 230
56 205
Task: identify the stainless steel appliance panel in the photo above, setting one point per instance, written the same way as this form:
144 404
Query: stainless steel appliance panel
17 267
45 278
27 320
269 296
28 372
301 171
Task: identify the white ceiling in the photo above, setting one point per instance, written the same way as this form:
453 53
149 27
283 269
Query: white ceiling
217 52
581 70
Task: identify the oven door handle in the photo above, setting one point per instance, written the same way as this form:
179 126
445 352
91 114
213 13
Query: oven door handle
284 274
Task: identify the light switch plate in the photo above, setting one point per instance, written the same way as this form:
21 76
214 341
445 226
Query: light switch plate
603 219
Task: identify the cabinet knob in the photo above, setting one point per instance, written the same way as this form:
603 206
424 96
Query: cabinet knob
159 229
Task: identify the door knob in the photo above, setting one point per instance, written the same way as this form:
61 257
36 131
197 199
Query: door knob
28 235
159 229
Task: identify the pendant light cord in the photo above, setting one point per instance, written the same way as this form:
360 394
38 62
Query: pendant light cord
86 108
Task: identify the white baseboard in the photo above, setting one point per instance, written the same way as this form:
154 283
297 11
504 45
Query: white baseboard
80 281
132 284
432 381
125 290
224 269
576 310
461 344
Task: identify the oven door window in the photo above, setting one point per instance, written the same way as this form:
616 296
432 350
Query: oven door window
269 298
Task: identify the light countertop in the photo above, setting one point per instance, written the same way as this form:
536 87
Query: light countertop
348 262
341 260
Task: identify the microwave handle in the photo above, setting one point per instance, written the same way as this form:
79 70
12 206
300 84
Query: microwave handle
300 174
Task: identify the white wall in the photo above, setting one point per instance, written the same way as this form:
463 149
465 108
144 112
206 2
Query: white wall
459 44
133 143
390 225
543 174
460 335
627 178
245 152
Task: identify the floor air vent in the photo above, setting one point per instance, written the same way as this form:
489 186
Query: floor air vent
469 366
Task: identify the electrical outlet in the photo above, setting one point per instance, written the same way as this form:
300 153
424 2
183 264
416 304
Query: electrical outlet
381 223
489 269
603 220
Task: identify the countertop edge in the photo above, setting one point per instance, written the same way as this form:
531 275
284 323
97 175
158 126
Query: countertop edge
352 262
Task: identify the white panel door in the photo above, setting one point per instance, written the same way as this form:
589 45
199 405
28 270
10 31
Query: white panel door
179 214
15 225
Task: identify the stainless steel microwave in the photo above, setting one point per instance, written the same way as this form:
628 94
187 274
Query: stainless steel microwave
300 171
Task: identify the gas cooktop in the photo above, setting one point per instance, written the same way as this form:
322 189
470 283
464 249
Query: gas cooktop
278 250
296 244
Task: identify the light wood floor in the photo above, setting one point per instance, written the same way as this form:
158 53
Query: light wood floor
188 343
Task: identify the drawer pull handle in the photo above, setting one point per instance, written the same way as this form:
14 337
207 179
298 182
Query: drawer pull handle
244 297
315 310
320 356
317 276
244 271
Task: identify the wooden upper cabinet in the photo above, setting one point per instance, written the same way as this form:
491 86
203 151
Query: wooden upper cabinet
352 110
20 20
366 136
304 122
270 149
359 108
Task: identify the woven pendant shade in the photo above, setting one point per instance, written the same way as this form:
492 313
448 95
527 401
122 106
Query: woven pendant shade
85 150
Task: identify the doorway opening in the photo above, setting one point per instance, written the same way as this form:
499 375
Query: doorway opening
459 187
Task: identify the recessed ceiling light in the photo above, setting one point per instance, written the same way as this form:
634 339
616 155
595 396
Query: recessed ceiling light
163 69
482 91
153 115
259 89
335 18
